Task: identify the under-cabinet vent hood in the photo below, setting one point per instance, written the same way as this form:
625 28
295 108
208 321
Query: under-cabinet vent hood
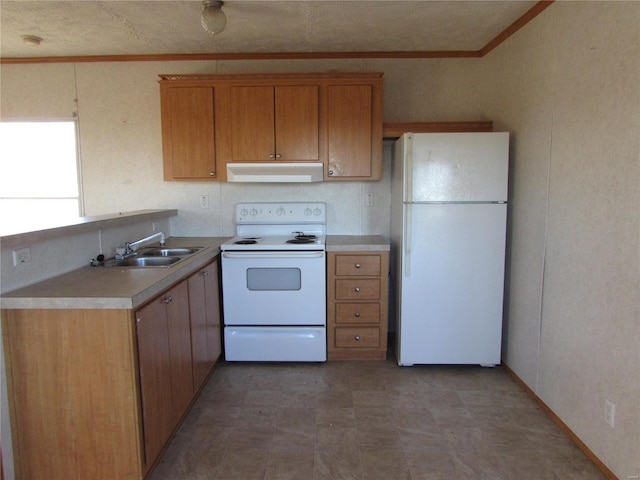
275 172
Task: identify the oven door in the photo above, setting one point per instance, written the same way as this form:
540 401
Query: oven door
263 288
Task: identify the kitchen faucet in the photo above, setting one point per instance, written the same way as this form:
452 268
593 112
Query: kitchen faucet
131 247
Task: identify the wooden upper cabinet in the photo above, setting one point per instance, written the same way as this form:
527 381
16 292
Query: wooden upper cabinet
188 133
349 130
274 123
332 118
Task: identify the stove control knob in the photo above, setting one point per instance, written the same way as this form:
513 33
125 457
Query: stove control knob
317 211
307 211
281 211
253 212
244 212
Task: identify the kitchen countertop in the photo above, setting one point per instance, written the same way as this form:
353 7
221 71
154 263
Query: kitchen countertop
112 287
359 243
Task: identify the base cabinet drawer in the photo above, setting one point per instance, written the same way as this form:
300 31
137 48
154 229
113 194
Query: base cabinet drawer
361 289
360 265
357 313
357 337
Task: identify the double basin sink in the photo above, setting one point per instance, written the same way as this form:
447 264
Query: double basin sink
154 257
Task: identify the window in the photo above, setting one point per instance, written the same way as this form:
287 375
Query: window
38 174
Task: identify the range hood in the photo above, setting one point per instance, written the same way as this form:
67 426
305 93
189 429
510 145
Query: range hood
275 172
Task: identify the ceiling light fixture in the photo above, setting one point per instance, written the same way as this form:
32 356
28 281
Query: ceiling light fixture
31 40
213 18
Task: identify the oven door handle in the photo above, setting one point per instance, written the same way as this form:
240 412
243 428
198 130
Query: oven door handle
272 254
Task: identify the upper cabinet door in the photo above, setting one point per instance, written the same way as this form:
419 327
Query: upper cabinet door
353 139
274 123
297 123
188 133
252 123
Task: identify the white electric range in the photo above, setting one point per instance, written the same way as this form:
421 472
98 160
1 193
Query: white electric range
274 283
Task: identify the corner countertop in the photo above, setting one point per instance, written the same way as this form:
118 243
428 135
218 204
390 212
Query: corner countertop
359 243
112 287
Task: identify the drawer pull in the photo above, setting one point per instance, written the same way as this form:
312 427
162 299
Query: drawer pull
357 337
357 314
357 289
357 265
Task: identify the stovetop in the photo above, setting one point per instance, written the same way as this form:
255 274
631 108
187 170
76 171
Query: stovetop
279 226
273 242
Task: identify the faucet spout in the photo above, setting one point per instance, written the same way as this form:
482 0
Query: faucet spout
131 247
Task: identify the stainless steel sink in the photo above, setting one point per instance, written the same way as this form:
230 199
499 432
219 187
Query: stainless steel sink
154 257
143 262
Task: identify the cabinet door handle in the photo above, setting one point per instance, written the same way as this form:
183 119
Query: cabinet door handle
357 315
357 337
278 155
212 174
272 156
330 172
357 265
357 289
168 299
205 273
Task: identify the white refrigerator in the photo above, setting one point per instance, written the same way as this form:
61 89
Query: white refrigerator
448 234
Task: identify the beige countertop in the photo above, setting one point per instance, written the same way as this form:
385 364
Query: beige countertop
360 243
112 287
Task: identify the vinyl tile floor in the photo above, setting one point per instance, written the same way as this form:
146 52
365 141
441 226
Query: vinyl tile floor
368 421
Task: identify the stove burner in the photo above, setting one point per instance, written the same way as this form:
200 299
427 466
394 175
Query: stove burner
246 241
302 239
303 236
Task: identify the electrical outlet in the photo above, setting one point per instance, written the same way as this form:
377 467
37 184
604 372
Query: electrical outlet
21 255
609 413
204 201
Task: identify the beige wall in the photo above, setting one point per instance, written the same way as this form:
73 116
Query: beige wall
566 86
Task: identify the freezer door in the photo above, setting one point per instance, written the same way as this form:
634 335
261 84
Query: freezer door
451 284
456 167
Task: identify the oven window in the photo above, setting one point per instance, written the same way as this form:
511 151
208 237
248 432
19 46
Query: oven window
274 279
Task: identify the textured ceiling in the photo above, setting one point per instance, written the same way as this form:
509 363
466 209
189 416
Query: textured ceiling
88 28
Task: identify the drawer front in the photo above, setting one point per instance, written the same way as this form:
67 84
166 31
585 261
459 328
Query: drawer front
360 289
358 313
357 337
365 265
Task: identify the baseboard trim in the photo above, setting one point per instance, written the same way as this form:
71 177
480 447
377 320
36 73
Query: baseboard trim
581 445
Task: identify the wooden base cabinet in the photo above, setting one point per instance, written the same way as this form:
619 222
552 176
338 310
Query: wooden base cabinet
72 381
358 299
97 394
166 375
206 329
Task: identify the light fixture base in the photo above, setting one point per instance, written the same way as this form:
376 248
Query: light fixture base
32 40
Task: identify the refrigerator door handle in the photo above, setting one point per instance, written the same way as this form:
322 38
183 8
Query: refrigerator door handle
407 239
408 169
